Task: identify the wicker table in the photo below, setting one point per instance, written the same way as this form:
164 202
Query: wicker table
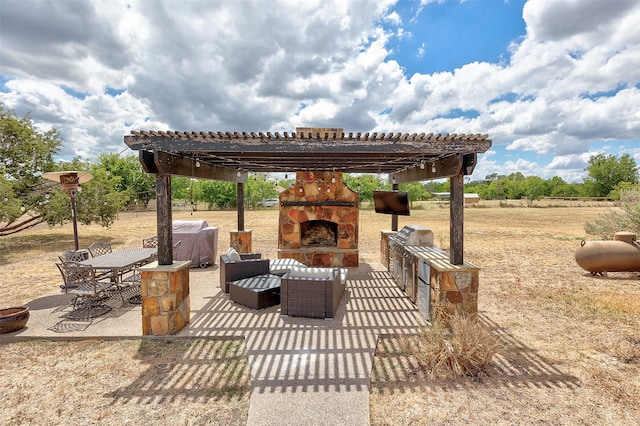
256 292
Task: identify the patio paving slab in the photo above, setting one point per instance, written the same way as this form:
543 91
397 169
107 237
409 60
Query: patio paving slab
304 371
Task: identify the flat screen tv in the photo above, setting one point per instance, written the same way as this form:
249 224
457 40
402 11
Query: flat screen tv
391 202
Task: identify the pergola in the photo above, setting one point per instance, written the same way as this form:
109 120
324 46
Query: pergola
230 156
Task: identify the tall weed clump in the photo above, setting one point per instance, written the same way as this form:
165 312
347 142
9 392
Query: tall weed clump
625 217
454 346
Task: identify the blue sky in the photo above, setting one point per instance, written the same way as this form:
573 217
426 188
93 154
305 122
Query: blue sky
551 82
446 36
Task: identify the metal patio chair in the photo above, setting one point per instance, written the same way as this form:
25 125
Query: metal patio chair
98 248
151 242
81 281
73 256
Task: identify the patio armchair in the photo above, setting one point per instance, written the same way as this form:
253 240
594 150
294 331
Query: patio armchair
311 292
81 280
236 266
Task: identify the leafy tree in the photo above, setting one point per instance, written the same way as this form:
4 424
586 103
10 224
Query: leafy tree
133 180
536 188
365 185
219 194
443 185
416 191
257 189
621 187
559 188
97 201
180 188
607 171
25 153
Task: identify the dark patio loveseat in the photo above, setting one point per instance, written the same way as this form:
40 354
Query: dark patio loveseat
249 265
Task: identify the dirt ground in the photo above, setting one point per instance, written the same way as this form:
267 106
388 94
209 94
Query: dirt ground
569 353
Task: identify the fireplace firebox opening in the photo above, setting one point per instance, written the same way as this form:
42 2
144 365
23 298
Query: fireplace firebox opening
318 233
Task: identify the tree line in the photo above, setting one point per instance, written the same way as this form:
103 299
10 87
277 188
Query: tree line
119 181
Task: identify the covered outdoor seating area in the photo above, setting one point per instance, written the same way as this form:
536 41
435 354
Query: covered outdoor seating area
318 157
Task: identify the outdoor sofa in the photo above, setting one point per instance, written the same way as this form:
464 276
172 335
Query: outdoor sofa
236 266
311 292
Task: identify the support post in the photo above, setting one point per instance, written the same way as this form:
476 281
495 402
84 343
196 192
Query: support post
394 217
72 195
240 191
456 221
164 219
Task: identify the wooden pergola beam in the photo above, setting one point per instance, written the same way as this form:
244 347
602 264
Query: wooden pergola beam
171 164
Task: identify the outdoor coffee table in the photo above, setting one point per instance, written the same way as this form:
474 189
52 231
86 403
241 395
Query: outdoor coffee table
256 292
282 266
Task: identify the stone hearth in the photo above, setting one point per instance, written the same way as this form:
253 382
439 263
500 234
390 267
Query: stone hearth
318 223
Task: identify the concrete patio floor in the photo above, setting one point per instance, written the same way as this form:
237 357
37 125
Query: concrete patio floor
303 371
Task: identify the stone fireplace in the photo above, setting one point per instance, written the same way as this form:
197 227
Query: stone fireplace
318 222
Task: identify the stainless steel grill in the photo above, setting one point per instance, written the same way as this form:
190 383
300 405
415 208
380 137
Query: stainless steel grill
401 262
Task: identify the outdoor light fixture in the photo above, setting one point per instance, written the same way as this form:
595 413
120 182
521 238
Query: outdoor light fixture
422 165
70 181
433 167
197 163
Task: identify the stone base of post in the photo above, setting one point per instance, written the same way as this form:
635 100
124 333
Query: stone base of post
165 298
241 241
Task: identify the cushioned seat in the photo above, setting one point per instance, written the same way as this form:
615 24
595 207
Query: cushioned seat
311 292
282 266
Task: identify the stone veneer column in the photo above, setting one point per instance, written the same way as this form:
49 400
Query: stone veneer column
241 240
165 298
454 288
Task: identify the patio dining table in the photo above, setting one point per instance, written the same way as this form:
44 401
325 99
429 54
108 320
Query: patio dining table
121 261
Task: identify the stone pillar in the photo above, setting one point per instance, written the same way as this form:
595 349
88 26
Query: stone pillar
165 298
241 240
454 288
384 247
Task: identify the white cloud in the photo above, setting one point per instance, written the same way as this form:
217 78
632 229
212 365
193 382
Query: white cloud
393 18
571 81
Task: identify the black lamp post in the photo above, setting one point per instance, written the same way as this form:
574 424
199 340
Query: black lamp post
70 180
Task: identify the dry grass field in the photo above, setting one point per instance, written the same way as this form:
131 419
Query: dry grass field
569 342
